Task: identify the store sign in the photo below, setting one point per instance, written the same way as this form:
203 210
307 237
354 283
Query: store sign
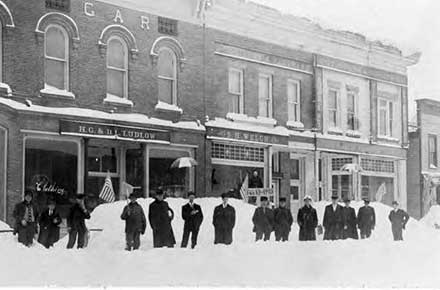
248 136
260 192
43 184
112 131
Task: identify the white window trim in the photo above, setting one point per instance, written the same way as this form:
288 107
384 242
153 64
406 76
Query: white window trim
338 109
240 94
356 110
66 53
269 100
388 129
125 69
298 103
174 79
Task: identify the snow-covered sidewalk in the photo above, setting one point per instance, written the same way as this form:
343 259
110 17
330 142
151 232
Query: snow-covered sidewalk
378 262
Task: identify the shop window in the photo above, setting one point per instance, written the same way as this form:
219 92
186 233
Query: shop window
1 51
237 152
378 188
3 169
51 170
352 120
102 159
294 193
117 68
135 169
432 151
342 186
333 105
167 26
230 178
294 169
56 55
61 5
386 116
276 162
377 165
294 100
265 95
338 163
174 181
167 76
235 101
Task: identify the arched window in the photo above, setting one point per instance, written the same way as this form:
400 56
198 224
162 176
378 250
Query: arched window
167 76
56 56
117 67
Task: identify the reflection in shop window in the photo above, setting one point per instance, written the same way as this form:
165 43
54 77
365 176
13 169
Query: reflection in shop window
101 159
51 170
378 188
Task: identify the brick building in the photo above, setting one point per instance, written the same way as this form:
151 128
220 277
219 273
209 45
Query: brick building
423 162
91 88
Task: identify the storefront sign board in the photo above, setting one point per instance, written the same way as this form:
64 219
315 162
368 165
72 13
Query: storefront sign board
247 136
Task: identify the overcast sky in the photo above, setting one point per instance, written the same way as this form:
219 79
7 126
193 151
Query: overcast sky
410 25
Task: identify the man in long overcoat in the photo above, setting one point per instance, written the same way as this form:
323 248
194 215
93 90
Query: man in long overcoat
224 222
193 216
307 220
282 221
160 215
332 221
49 223
26 216
398 218
263 220
366 219
76 225
349 222
135 223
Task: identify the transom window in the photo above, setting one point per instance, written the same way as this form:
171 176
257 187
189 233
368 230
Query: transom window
167 26
167 76
56 55
265 95
377 165
386 114
333 107
117 67
294 100
352 120
62 5
237 152
338 163
235 102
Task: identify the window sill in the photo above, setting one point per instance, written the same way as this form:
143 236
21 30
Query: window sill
388 139
5 89
353 134
49 91
117 101
335 131
245 118
162 106
295 124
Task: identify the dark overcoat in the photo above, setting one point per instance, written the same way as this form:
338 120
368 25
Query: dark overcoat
263 220
25 232
283 220
49 228
349 229
307 221
366 218
160 215
224 222
134 217
192 222
332 222
77 217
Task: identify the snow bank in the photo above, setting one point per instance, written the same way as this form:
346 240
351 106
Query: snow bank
432 218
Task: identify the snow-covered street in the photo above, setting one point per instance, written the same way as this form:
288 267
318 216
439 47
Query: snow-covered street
378 262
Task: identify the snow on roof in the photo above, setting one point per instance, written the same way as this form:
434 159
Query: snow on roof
96 114
248 126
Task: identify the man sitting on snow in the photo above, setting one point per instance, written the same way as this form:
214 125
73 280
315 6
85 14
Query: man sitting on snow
263 220
224 222
398 218
193 217
26 217
366 219
135 223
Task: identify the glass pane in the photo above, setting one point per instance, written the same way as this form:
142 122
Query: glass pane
350 103
55 43
165 90
332 99
234 104
116 54
101 159
115 82
263 96
51 171
135 169
332 118
351 121
55 73
294 169
235 82
94 187
382 122
294 192
292 92
3 169
335 185
166 64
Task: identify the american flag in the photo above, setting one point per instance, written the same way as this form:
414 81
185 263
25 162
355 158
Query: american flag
107 192
244 188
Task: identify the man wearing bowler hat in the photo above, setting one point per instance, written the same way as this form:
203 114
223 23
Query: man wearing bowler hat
307 220
135 223
282 221
76 225
398 218
223 221
349 229
366 219
332 221
193 217
263 220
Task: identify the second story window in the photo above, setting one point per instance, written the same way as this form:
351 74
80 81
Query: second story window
117 68
167 76
333 105
265 95
294 100
56 55
352 119
385 114
235 101
432 151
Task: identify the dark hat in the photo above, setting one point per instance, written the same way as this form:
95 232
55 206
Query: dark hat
132 195
335 197
263 198
346 200
395 203
28 192
159 192
367 200
191 193
283 199
80 195
224 195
